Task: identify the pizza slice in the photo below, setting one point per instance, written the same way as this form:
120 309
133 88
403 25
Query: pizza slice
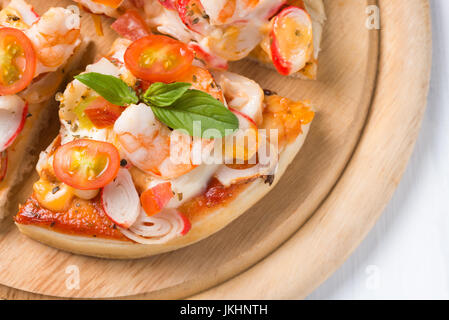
35 54
282 34
155 152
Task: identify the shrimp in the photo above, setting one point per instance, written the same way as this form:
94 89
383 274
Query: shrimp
287 117
153 147
242 94
55 36
146 142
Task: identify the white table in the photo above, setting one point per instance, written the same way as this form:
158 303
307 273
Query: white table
406 255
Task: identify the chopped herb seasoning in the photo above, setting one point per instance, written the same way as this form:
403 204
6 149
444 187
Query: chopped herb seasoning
13 18
55 189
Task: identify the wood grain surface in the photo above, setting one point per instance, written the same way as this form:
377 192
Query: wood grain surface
372 175
354 94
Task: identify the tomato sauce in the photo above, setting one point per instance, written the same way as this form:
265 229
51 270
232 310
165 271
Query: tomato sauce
216 195
87 218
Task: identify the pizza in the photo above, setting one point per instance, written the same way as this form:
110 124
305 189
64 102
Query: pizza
35 54
282 34
157 152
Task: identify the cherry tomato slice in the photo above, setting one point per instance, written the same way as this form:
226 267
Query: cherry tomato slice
86 164
158 58
131 26
17 61
155 199
102 113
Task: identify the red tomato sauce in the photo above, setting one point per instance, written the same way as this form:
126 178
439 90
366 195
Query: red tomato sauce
87 218
216 195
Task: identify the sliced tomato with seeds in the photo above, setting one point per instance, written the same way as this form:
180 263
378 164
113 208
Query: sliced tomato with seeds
17 61
3 164
131 26
86 164
102 113
158 58
155 199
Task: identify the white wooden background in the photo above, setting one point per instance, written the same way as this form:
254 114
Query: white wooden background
406 255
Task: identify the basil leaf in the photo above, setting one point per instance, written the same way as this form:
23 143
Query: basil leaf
113 89
197 105
163 95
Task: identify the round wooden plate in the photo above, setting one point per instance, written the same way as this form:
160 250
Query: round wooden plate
370 98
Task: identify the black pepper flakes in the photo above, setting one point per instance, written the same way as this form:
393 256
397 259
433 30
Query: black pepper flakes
269 179
268 92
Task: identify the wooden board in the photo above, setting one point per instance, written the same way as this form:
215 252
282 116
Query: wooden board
370 100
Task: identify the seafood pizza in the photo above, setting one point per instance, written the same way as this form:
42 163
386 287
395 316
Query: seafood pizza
35 53
284 34
156 152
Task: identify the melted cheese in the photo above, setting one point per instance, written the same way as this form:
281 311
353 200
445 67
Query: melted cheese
74 95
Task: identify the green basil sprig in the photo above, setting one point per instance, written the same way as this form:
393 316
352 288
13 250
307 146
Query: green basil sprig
113 89
197 105
163 95
173 104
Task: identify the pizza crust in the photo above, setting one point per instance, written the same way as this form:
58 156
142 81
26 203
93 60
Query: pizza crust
213 222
